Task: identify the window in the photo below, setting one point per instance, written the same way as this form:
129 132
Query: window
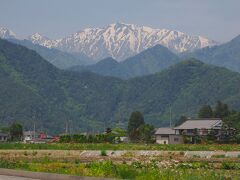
176 139
190 131
164 136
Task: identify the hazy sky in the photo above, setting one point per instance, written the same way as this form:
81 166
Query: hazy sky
216 19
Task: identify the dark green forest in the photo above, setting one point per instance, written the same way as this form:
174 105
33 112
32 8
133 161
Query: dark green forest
150 61
224 55
34 91
60 59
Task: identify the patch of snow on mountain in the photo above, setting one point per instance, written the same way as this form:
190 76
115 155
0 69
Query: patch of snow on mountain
43 41
7 34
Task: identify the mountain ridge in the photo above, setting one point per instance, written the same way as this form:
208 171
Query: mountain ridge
60 59
224 55
121 41
149 61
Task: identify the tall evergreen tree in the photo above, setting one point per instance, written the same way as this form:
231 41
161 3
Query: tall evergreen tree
221 110
205 112
16 132
181 120
135 122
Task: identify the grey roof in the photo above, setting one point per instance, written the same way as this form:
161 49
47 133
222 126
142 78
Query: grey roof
29 133
165 131
201 124
3 134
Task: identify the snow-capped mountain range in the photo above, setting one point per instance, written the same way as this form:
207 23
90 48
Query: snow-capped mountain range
7 34
121 40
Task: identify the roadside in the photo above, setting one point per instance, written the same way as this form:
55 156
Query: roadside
3 177
9 174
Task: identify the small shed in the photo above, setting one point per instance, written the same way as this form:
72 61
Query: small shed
3 137
168 136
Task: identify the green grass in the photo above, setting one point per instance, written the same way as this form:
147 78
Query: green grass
136 170
219 156
102 146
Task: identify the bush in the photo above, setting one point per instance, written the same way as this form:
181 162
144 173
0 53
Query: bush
34 153
219 156
103 153
65 138
229 166
80 138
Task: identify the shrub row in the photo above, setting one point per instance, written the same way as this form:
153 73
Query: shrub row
99 138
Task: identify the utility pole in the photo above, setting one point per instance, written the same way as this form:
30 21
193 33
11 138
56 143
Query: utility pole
170 123
34 131
104 126
66 127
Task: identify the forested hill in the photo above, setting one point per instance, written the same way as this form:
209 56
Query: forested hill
150 61
225 55
60 59
33 90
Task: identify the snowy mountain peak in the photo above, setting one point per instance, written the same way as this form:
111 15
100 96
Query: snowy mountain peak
119 41
7 34
37 38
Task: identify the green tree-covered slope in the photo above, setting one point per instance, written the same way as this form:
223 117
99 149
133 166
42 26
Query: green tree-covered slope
33 90
150 61
225 55
60 59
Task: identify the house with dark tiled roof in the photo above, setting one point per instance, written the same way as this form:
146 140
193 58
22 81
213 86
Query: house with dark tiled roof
200 127
190 128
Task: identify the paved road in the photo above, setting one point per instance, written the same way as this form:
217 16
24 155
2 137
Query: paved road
2 177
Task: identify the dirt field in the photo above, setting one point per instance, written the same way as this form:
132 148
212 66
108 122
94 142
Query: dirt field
118 156
127 164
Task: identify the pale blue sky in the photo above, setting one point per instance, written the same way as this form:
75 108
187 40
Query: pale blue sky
216 19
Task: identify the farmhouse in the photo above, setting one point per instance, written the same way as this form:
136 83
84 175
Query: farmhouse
36 137
190 128
168 136
29 136
200 127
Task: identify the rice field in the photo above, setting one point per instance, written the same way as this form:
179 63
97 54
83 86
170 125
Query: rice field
105 146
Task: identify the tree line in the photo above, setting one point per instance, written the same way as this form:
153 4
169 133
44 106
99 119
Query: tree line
137 131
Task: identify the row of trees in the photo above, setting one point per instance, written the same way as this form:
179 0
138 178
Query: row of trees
138 131
221 110
99 138
109 136
231 118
